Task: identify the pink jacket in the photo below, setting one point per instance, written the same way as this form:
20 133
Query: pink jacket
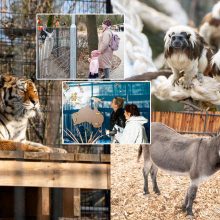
94 65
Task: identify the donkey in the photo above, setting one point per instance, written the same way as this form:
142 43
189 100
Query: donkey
197 157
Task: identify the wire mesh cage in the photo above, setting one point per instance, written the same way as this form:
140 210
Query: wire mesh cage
18 57
56 64
53 46
101 208
86 6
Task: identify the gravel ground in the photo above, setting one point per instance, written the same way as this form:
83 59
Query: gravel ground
128 202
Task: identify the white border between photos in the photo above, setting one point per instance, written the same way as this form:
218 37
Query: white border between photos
65 79
120 81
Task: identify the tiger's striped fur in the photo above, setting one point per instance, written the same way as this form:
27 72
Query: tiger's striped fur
19 102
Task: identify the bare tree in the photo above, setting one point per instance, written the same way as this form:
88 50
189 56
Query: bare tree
92 33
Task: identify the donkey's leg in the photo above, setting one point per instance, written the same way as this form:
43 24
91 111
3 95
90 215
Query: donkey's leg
146 170
185 202
153 173
191 197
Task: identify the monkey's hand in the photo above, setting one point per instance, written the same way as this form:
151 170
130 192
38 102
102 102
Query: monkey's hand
186 84
200 77
176 77
175 80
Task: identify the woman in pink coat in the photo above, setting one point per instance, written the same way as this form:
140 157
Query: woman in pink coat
105 59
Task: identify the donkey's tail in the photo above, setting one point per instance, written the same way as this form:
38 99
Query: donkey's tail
139 152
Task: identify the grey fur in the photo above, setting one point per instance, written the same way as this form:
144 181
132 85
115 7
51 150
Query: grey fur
197 157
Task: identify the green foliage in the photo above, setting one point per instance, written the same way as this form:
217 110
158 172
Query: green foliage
165 106
50 21
156 43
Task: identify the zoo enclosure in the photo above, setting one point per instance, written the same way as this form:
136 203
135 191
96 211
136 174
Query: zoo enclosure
18 57
199 123
54 62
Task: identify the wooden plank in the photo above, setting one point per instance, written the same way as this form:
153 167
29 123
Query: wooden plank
12 154
45 196
36 155
52 174
62 157
76 203
105 158
87 157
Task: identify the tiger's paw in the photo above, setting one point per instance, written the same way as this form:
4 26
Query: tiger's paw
59 150
44 149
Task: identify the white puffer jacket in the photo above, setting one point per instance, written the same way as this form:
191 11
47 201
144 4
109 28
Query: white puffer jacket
134 131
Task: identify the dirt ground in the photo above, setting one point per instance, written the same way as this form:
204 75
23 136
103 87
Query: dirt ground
83 68
128 201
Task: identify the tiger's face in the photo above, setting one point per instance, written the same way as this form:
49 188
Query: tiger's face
19 97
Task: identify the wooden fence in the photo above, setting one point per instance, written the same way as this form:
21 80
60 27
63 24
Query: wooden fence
190 122
71 172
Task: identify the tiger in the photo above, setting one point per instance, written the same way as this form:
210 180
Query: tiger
19 101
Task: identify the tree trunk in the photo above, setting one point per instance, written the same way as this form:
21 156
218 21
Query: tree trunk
52 127
92 34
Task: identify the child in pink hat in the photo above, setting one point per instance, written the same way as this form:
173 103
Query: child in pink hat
94 64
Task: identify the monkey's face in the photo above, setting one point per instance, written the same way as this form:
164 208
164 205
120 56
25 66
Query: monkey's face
180 37
179 40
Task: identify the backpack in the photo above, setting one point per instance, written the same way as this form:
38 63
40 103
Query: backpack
114 43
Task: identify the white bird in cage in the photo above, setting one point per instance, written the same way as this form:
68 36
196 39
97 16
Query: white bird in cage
46 47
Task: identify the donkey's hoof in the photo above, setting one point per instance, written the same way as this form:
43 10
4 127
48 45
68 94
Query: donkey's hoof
145 193
191 217
157 191
183 208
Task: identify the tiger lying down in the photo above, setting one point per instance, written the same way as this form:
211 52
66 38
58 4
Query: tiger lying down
19 102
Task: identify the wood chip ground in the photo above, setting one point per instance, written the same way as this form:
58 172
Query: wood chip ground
128 201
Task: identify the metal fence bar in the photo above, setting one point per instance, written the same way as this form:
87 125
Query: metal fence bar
73 49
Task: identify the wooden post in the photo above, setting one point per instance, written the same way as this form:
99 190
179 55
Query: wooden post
43 204
76 203
71 196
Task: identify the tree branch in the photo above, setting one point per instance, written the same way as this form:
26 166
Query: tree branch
149 75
